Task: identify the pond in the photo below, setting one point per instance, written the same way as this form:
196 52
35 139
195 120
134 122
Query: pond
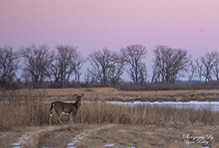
191 104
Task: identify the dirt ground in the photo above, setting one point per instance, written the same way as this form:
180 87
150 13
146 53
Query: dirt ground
113 135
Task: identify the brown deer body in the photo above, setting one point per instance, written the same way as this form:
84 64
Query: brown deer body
59 108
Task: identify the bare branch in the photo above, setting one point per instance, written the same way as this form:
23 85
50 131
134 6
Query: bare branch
169 64
36 60
8 65
106 66
133 56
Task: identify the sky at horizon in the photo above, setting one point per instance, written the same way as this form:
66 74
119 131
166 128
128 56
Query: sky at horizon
94 24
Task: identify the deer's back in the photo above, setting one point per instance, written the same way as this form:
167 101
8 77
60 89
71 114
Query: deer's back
60 106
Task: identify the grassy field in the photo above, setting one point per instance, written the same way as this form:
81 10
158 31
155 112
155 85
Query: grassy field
27 108
111 94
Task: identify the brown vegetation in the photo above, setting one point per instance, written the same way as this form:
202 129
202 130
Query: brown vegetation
111 94
28 108
18 110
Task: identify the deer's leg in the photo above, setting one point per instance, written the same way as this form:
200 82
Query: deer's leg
70 118
50 120
51 113
50 117
59 118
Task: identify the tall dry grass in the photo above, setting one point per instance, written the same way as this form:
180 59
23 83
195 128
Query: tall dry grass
22 109
29 109
144 115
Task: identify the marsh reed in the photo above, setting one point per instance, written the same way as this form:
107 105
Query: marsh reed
29 109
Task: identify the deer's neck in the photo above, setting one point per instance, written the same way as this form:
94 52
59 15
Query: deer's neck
77 104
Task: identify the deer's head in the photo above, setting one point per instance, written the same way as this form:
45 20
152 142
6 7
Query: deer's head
78 98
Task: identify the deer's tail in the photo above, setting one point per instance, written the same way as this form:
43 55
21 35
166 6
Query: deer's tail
51 110
52 107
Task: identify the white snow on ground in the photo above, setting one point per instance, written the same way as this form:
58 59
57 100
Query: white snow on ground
76 140
109 144
117 145
20 142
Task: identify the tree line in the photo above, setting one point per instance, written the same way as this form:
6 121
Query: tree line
39 64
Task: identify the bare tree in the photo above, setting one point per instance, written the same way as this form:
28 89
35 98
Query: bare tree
215 69
68 62
90 77
106 66
199 67
8 66
193 69
26 78
36 60
87 76
142 73
208 65
116 71
169 64
79 62
133 56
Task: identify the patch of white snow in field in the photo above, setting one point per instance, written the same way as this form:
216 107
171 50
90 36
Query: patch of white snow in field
109 144
76 140
20 142
117 145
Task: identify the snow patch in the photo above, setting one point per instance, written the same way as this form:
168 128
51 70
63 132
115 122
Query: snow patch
117 145
20 142
109 144
76 140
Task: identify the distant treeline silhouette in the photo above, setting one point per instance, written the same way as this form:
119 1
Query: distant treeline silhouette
61 66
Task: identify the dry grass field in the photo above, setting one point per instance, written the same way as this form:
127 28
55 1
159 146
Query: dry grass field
24 112
111 94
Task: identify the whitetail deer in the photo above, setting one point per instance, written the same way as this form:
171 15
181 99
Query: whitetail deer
60 108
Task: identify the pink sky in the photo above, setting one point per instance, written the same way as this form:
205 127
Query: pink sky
94 24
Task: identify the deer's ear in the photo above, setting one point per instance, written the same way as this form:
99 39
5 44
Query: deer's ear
75 95
82 95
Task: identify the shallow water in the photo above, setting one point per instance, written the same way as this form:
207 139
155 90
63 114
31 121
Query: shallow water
191 104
